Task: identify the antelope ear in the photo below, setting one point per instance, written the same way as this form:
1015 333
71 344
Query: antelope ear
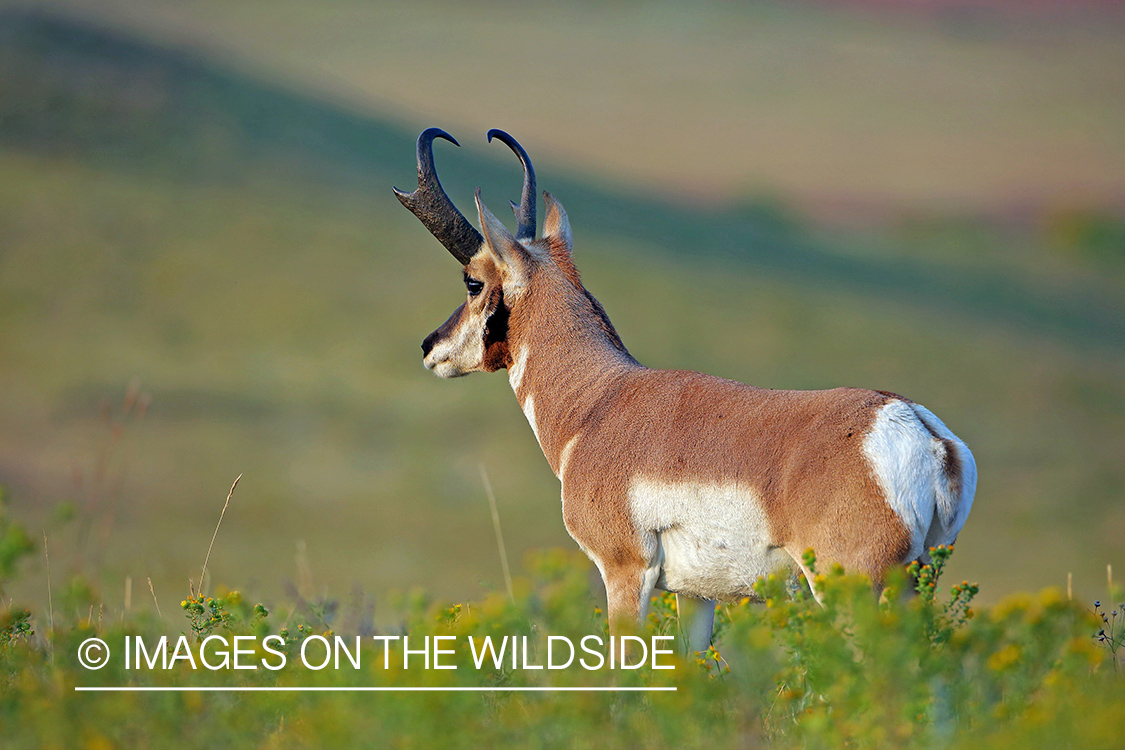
556 227
511 255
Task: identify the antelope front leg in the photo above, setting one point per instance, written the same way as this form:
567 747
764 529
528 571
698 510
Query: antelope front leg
628 589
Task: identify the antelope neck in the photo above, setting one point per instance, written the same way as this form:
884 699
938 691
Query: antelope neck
562 381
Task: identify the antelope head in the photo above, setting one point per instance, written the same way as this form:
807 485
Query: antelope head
497 266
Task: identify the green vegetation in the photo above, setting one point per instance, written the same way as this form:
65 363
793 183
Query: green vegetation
919 671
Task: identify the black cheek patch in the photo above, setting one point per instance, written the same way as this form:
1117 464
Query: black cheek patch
496 354
496 327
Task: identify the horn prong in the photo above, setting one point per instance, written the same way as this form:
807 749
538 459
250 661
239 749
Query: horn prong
432 206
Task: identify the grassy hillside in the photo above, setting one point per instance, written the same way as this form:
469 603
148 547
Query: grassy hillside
234 248
924 107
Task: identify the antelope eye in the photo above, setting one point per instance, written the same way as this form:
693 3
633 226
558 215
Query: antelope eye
475 287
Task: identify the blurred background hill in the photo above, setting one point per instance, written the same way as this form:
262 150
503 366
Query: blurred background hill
203 270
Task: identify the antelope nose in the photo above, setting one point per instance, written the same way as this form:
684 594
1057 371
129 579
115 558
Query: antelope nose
428 344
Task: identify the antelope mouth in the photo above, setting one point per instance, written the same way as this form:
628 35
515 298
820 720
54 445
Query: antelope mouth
443 368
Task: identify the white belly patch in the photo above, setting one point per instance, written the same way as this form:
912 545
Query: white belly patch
714 538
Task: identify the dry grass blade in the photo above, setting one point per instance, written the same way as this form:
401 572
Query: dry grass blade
206 559
499 536
154 600
50 603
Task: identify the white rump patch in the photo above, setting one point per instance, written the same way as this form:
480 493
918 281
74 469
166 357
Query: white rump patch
952 509
714 537
909 463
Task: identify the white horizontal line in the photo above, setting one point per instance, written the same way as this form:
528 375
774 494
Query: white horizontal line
314 689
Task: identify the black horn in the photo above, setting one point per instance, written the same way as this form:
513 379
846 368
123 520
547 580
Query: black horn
525 211
432 206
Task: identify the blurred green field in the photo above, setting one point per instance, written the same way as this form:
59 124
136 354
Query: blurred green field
850 111
212 225
934 672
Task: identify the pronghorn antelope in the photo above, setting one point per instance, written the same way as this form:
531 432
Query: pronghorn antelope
673 479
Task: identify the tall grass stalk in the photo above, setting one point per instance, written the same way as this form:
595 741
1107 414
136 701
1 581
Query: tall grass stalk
154 600
203 573
499 535
50 602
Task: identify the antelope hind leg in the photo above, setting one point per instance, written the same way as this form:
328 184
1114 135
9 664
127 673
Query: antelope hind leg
697 621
